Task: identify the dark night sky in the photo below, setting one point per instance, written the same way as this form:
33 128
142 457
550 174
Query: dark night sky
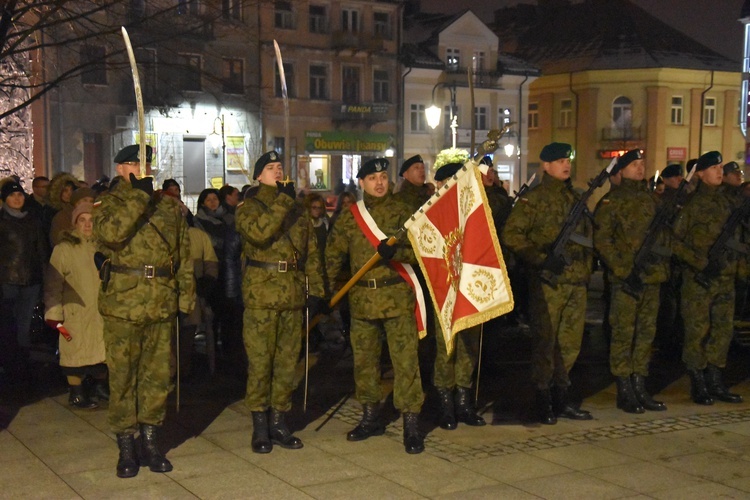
714 23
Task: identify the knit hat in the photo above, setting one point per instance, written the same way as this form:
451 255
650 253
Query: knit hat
85 207
11 187
81 193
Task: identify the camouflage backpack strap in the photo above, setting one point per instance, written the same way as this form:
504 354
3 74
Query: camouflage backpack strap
142 220
288 223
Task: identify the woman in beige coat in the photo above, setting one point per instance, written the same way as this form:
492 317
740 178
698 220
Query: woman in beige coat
71 290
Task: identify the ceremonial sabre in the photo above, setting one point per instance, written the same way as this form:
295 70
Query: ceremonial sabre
138 103
285 95
307 343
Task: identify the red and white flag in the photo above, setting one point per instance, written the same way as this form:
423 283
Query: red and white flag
455 241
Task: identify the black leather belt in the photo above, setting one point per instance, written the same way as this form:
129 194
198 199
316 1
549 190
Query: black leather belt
146 271
281 266
374 283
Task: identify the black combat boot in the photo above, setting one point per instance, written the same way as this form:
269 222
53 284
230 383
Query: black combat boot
369 426
127 464
79 399
101 389
544 407
447 418
465 411
698 391
716 388
280 433
643 397
563 408
261 442
413 439
150 453
626 400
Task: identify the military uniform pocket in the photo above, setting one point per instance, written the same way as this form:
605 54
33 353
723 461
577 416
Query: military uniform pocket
121 282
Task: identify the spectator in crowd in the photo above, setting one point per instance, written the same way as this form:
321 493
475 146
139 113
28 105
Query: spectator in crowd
60 190
61 222
229 197
71 291
36 203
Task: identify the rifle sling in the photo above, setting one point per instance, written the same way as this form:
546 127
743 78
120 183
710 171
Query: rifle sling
142 220
581 240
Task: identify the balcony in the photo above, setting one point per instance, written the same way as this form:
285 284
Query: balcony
480 78
363 112
621 134
356 42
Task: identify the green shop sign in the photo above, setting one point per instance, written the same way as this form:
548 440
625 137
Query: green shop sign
345 142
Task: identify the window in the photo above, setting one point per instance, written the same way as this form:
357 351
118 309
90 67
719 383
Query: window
676 110
282 15
477 61
381 86
504 117
94 70
318 18
709 111
453 58
189 74
350 20
233 77
480 118
533 115
232 9
350 85
382 25
418 119
289 75
187 7
318 82
622 113
566 113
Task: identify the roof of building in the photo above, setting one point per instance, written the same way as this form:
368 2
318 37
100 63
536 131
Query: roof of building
562 37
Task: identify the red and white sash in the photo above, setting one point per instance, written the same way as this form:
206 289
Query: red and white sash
374 235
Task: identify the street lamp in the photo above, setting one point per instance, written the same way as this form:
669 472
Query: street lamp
214 137
433 112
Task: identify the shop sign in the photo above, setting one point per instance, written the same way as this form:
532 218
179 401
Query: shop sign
345 142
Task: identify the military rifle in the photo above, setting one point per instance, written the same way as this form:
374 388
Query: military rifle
522 190
664 217
724 245
557 258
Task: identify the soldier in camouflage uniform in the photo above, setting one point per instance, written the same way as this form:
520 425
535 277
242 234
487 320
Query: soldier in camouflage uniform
280 248
708 313
621 221
413 190
731 185
557 312
453 374
145 237
382 302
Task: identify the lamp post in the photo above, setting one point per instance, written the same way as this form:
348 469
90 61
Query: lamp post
220 119
433 112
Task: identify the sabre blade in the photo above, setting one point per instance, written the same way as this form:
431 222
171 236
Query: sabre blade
138 102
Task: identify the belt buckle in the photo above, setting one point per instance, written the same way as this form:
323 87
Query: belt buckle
372 284
282 266
148 272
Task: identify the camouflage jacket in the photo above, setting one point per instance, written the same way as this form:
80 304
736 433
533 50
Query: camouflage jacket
621 219
273 228
700 223
347 239
137 298
535 222
500 205
414 196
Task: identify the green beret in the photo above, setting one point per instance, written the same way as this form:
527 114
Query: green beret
408 163
556 151
447 170
373 166
671 171
265 159
731 167
708 160
130 154
626 159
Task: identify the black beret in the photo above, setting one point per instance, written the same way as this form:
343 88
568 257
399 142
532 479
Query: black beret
130 154
447 170
487 160
671 171
731 167
626 159
11 187
373 166
708 160
265 159
555 151
408 163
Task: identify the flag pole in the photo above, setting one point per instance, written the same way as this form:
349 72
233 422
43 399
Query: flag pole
479 360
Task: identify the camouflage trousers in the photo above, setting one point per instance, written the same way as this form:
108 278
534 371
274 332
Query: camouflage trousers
557 320
272 342
633 328
401 334
709 324
458 368
139 379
